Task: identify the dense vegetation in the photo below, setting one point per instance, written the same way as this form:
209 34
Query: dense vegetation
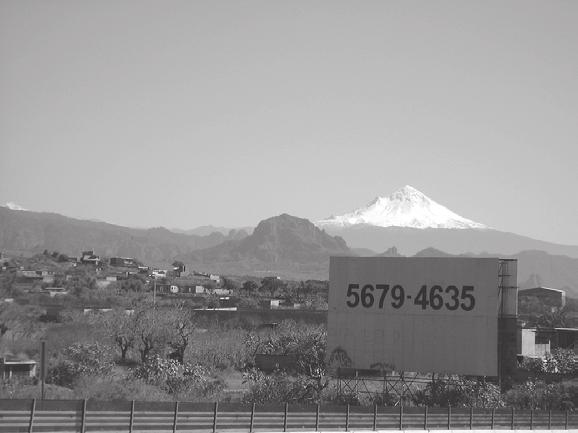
167 351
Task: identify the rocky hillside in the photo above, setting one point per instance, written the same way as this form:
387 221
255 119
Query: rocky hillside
283 245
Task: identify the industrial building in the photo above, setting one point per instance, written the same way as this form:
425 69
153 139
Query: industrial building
554 298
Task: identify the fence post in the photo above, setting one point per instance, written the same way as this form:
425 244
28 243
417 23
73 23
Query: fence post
347 417
83 419
531 419
471 417
32 411
374 417
317 418
566 420
513 423
131 423
492 423
549 419
400 416
425 409
449 417
175 417
285 417
252 417
215 410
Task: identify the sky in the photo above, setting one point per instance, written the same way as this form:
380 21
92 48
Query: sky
185 113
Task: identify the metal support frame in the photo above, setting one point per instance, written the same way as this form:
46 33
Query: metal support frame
402 385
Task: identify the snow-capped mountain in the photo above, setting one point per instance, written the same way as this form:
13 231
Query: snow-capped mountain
406 207
14 206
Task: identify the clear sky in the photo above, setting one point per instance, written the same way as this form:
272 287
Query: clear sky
185 113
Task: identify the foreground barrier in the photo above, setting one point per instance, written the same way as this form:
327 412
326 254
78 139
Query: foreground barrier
132 417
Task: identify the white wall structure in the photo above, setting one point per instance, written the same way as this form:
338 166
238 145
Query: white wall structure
414 314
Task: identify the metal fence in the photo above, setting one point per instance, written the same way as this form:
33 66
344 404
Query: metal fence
139 416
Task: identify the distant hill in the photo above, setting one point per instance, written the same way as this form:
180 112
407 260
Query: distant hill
207 230
32 232
535 268
283 245
455 241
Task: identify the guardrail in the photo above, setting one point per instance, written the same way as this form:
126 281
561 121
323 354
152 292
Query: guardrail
139 416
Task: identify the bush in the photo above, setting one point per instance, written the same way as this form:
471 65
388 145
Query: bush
540 395
459 393
559 361
80 360
278 387
186 382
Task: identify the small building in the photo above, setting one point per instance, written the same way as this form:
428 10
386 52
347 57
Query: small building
17 368
532 344
48 279
103 283
55 291
89 258
554 298
159 273
215 278
221 292
537 342
30 274
125 262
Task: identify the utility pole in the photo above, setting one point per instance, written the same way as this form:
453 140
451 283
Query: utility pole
43 369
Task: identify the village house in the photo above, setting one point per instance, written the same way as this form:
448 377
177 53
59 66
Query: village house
11 367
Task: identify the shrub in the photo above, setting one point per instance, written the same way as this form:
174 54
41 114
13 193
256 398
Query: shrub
541 395
278 387
80 360
188 381
459 393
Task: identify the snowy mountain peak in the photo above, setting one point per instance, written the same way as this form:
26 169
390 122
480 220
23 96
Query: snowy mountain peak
406 207
14 206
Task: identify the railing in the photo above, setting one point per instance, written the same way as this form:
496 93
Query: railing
125 416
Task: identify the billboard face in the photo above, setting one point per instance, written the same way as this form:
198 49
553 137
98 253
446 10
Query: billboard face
422 315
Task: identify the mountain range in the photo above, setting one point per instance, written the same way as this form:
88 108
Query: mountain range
405 223
26 232
411 221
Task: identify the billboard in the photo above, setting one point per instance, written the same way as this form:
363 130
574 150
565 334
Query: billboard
427 315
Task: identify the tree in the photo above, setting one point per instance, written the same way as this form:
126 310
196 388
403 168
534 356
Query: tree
309 344
133 283
151 330
231 285
272 285
121 329
249 287
182 329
